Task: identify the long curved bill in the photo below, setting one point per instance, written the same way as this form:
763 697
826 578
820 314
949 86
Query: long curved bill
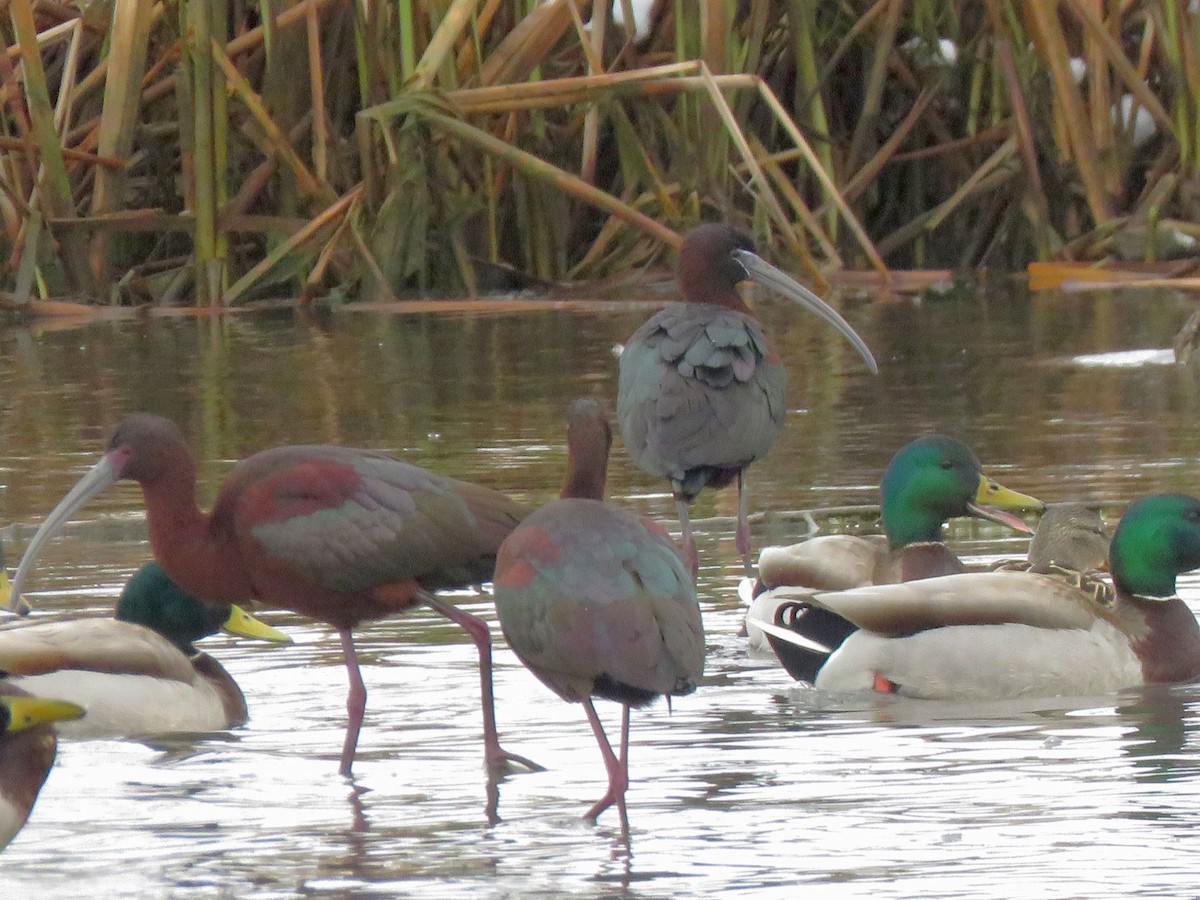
992 499
26 712
95 480
769 276
243 624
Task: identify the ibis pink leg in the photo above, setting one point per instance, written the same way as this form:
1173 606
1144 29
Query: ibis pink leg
495 756
690 555
742 535
356 703
625 767
618 774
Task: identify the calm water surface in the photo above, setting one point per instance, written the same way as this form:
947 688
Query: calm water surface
751 787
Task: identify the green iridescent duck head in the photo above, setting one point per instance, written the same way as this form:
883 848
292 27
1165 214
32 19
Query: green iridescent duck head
152 599
937 478
1158 538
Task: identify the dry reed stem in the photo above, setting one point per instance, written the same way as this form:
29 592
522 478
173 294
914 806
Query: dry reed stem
66 87
871 168
796 201
131 21
527 45
876 80
92 159
317 92
997 132
1020 109
274 140
54 185
52 188
593 47
321 266
1001 154
441 45
1112 54
538 78
831 190
766 194
1050 38
329 216
537 167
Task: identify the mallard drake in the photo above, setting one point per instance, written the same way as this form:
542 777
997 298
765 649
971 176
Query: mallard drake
27 748
927 482
598 602
994 635
138 672
1070 541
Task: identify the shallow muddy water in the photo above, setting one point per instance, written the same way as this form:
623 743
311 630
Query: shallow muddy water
751 787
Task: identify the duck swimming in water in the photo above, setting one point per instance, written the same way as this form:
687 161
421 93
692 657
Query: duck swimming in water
27 750
927 482
137 673
1003 634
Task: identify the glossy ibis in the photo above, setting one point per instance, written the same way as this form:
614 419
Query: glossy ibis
598 602
339 534
701 394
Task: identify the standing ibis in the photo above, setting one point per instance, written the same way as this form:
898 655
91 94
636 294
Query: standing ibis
701 393
136 673
335 533
27 748
598 602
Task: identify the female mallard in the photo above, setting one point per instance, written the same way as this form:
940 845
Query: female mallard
993 635
138 672
27 746
1070 537
927 482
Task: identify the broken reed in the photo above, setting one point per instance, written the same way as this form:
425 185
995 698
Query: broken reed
211 151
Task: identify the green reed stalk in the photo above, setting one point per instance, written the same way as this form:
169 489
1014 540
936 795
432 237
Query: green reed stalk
810 103
54 193
204 23
407 27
